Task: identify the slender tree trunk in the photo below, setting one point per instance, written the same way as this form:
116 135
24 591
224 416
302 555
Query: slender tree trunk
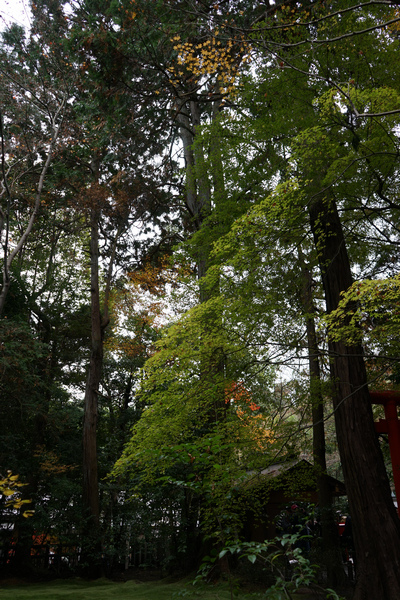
331 553
90 476
191 509
99 321
375 522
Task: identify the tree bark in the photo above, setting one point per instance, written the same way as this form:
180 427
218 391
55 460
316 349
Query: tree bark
99 321
90 476
90 479
375 522
331 553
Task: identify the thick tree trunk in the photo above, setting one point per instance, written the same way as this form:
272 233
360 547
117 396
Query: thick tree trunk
198 189
375 523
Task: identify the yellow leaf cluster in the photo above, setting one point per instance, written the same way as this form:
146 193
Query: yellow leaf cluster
395 27
50 463
211 57
9 488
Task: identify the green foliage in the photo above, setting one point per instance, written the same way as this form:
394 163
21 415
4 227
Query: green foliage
368 313
21 387
183 384
283 557
210 419
262 277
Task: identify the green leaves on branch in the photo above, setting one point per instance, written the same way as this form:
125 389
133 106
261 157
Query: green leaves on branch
368 312
191 391
283 558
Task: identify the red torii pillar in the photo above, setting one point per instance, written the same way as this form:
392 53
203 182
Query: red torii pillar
390 425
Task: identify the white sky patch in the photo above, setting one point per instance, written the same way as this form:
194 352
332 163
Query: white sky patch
15 11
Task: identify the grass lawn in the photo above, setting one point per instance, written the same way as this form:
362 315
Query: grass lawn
103 589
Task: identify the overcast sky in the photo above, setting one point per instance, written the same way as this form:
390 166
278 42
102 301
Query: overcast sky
14 10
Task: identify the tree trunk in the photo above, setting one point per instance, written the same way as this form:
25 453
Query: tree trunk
375 523
198 192
193 536
90 476
331 553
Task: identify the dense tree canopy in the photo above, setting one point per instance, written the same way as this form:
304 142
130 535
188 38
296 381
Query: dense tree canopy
199 221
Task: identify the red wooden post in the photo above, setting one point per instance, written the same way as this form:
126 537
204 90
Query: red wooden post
390 425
